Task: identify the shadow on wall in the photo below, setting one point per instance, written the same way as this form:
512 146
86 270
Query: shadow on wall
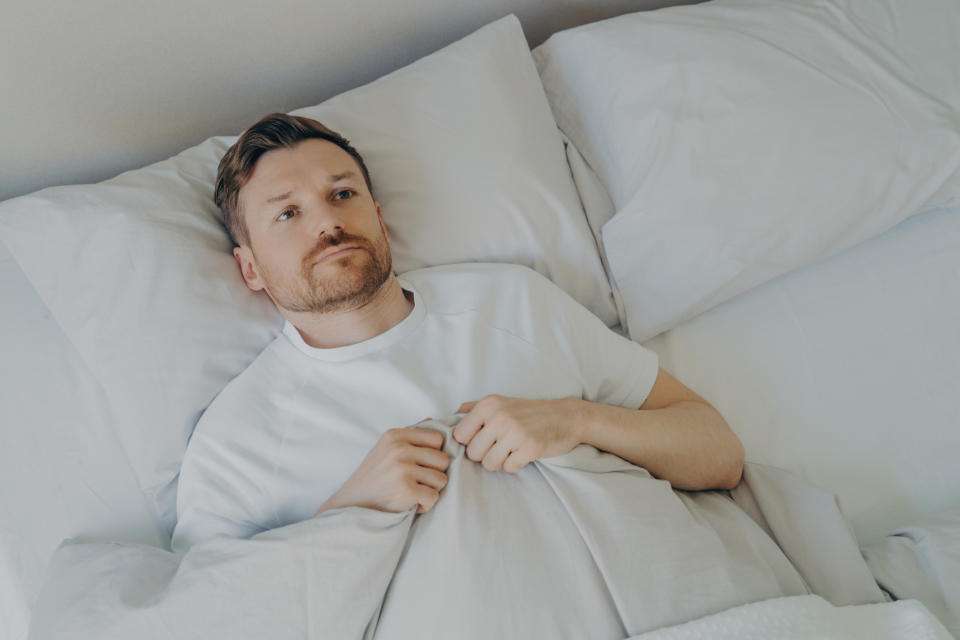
99 87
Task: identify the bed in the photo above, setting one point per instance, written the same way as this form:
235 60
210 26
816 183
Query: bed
767 194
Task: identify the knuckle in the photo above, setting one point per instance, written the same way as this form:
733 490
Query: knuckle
502 417
393 453
492 399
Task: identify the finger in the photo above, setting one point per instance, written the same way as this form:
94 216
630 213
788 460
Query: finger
493 460
516 461
431 458
426 498
481 443
423 437
469 425
430 477
466 407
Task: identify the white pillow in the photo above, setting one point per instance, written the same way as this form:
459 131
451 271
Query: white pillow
62 469
740 139
138 273
465 158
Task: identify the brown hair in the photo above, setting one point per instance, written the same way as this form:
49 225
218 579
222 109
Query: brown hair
273 131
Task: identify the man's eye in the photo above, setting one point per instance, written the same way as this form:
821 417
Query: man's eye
286 214
344 194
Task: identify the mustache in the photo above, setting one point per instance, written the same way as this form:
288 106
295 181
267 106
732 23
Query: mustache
327 241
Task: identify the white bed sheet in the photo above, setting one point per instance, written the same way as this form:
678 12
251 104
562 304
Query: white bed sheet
846 372
52 412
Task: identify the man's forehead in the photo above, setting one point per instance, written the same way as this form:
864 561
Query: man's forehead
280 171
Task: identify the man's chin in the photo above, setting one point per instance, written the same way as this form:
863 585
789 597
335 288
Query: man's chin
354 290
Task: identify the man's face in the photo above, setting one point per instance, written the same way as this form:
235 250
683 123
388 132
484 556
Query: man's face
317 238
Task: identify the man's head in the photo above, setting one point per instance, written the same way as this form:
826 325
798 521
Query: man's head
293 192
273 131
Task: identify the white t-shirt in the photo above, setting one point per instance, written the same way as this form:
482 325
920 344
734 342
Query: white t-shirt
285 434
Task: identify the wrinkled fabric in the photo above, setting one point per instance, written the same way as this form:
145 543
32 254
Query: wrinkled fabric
803 617
922 562
614 552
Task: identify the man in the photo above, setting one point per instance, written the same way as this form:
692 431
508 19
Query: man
307 428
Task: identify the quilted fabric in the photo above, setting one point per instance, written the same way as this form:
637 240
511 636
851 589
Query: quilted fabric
805 617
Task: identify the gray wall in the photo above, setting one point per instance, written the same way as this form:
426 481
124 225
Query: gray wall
95 87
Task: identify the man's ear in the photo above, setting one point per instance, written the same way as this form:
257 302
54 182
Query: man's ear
248 268
386 231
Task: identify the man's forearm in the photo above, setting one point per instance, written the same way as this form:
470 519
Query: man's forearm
689 444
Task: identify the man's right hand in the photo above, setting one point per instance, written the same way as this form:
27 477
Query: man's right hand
405 469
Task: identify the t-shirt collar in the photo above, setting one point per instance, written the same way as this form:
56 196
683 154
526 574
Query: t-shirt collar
388 338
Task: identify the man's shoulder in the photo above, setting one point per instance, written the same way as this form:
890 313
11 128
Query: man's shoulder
502 297
247 389
458 287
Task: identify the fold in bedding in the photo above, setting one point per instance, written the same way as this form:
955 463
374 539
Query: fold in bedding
581 545
922 562
804 617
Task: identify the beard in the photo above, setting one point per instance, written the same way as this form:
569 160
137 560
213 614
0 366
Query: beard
352 287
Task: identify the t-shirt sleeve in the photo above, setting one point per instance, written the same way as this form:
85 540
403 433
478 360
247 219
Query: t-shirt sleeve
218 494
612 369
209 499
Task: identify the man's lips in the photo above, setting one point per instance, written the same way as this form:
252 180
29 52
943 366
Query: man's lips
336 252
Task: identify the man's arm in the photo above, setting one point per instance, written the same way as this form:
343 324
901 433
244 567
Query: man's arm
675 435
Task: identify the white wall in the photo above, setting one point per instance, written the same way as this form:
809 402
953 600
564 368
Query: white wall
94 87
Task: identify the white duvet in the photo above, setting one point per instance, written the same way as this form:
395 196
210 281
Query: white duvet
603 550
805 617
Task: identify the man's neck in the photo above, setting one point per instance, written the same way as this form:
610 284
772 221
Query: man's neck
385 310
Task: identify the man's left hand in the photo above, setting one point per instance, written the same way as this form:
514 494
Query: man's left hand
509 433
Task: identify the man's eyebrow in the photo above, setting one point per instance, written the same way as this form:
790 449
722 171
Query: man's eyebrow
282 196
334 178
343 176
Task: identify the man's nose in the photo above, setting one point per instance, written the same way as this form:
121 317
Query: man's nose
325 220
